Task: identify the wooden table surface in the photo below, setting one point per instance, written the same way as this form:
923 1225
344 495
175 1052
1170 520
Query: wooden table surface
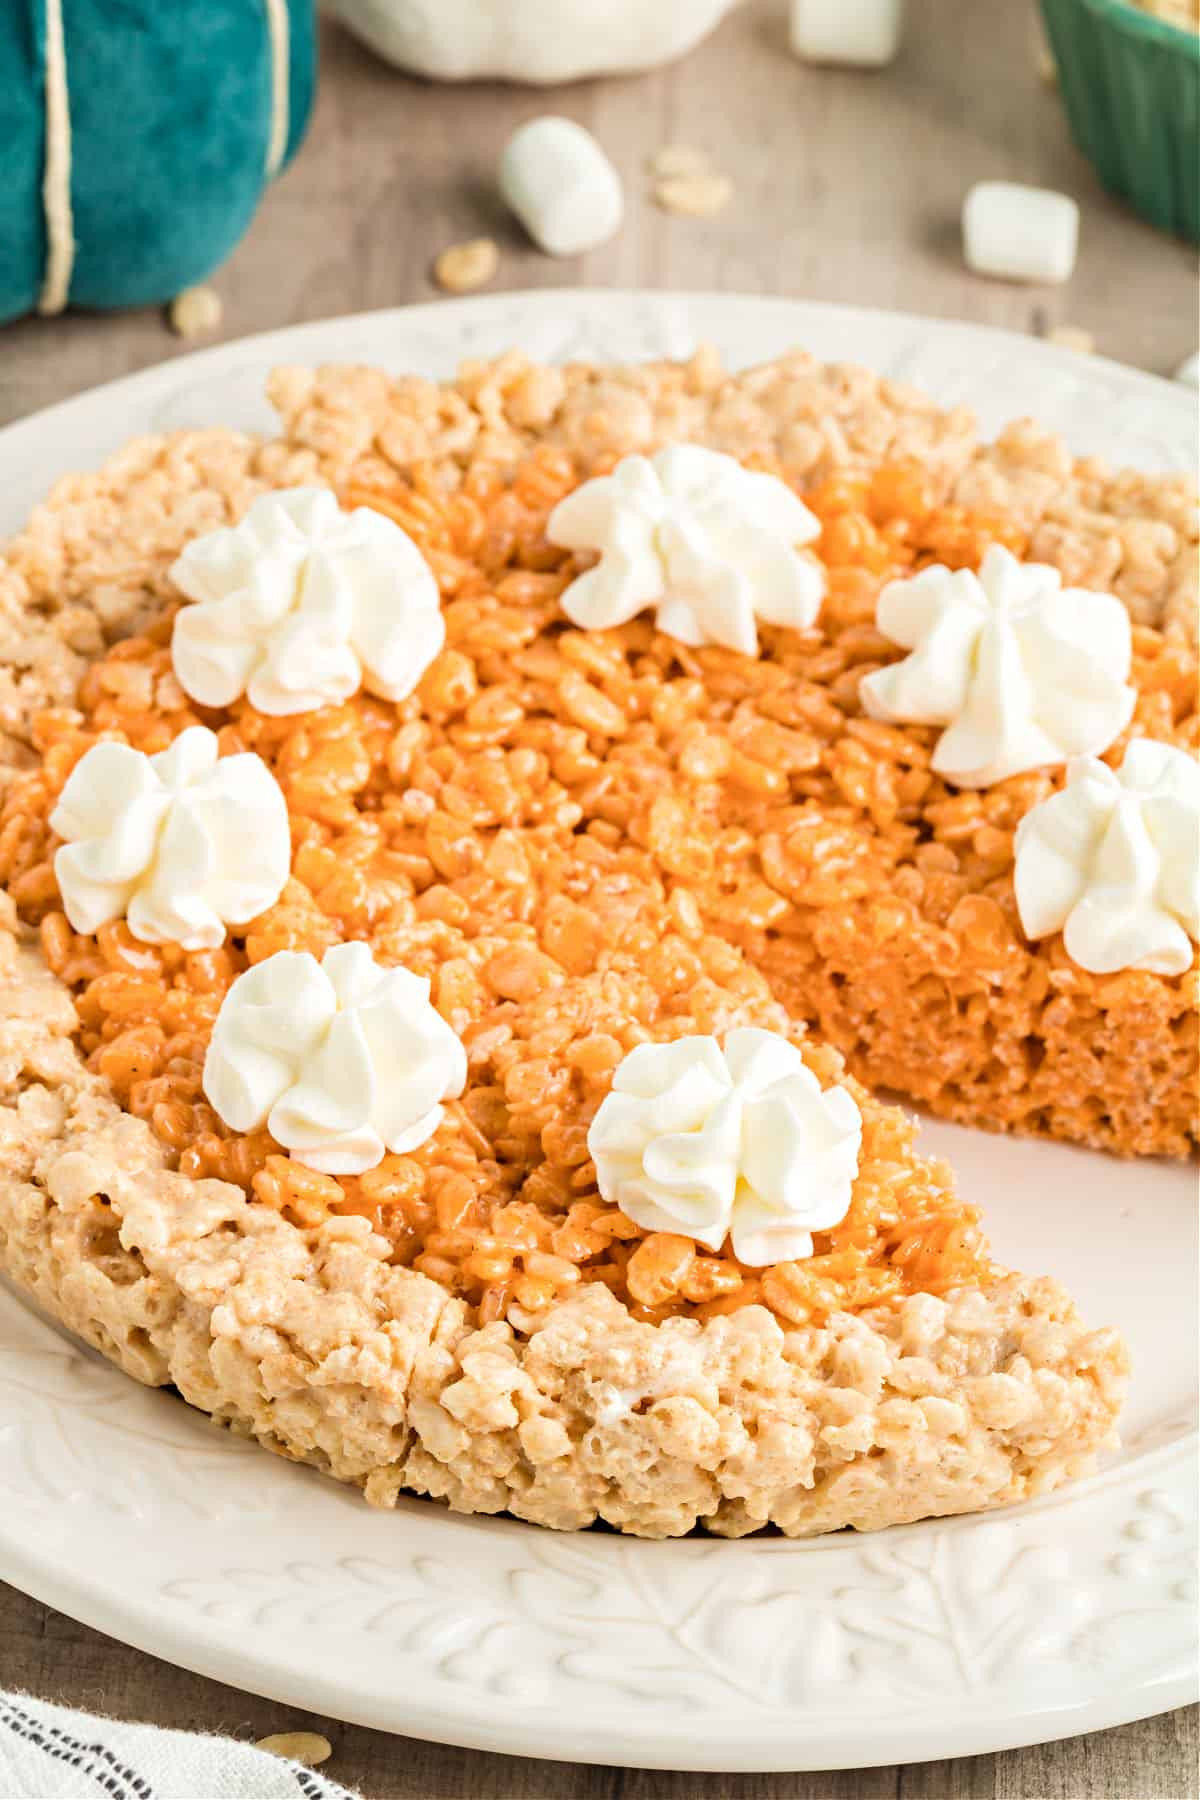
847 187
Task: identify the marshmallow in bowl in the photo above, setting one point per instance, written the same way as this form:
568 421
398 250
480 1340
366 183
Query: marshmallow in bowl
557 180
1020 233
863 33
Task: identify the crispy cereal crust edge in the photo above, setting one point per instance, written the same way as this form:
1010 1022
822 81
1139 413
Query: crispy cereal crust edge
311 1342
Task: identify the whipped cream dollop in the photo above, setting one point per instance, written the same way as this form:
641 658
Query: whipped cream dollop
302 604
180 844
1113 862
708 1141
1022 672
711 545
340 1059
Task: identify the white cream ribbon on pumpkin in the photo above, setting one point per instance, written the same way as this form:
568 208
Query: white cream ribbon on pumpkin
56 168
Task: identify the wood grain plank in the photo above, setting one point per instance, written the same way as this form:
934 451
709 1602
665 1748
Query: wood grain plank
1152 1759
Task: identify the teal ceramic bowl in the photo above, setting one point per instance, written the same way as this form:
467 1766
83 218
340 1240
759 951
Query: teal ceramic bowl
1131 85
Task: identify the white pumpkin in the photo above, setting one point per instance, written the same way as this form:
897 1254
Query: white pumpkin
536 41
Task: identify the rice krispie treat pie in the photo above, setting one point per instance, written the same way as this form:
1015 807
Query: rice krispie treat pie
416 893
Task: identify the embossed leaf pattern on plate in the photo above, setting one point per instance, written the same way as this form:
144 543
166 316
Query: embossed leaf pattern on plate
977 1608
76 1432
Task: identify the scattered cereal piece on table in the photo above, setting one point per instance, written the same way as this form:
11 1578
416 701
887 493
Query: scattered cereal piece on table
465 266
1072 337
307 1747
1189 371
678 159
1020 233
863 33
694 196
556 178
195 312
1043 56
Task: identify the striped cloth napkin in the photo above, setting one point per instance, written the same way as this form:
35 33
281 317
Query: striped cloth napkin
51 1753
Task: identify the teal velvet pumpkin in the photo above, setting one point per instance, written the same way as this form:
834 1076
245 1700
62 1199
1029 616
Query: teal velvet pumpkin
167 118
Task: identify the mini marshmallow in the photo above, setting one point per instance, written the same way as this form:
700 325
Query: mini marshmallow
1189 371
865 33
562 187
1020 233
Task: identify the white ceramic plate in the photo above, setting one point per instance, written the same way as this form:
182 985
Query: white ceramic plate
128 1510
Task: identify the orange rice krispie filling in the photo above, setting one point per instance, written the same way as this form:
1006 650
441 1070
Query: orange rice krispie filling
568 832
